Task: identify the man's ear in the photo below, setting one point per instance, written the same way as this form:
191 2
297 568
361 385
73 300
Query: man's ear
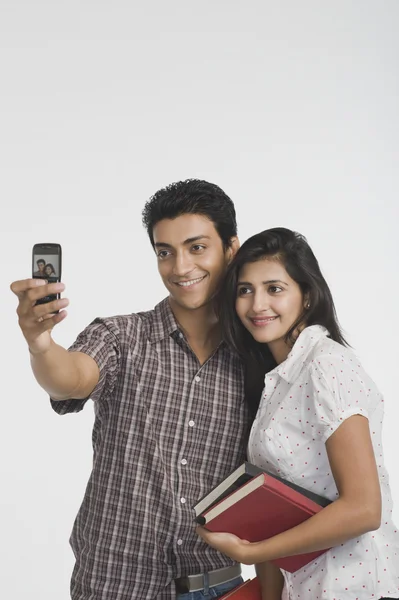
232 249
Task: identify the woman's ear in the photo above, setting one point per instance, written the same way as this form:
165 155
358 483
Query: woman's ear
306 302
232 249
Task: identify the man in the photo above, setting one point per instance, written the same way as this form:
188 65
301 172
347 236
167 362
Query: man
170 421
41 264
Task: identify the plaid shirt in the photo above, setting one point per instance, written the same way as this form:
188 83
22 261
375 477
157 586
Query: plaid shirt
166 431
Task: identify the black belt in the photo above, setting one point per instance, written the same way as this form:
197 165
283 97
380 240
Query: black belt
195 583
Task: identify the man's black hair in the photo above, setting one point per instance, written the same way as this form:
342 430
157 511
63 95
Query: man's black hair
192 196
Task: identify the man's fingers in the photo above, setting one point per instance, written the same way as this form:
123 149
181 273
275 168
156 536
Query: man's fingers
43 310
35 288
49 321
45 317
20 287
50 289
37 326
35 320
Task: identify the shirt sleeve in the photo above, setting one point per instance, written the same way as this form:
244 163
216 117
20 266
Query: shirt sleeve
99 340
337 392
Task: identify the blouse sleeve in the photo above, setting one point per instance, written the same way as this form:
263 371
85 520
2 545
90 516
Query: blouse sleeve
337 391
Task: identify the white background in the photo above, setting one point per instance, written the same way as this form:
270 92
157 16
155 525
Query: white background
291 107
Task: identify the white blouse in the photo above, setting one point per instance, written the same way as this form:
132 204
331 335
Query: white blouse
305 399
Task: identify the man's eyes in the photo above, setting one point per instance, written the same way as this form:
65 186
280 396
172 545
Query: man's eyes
194 248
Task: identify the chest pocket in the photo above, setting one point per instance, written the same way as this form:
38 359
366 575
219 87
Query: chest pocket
272 443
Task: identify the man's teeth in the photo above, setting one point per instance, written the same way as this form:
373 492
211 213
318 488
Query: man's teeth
188 283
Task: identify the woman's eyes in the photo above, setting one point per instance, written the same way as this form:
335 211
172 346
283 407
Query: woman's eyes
272 289
243 291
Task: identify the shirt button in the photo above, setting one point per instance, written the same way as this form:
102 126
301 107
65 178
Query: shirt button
197 378
191 423
179 542
183 462
180 334
183 500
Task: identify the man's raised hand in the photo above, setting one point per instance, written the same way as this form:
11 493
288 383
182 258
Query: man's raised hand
36 322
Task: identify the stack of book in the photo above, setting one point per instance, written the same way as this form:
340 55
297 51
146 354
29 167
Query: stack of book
256 505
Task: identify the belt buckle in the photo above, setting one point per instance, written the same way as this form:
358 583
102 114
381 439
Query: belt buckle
182 585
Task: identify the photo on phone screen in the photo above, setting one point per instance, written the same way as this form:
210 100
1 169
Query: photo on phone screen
46 264
46 261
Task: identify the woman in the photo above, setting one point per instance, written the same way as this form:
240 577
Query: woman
318 425
49 270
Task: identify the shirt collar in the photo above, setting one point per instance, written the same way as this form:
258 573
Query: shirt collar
164 323
306 341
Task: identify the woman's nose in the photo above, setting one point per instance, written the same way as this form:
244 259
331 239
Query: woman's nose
260 303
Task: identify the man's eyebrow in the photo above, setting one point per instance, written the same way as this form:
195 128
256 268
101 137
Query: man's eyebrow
185 243
264 282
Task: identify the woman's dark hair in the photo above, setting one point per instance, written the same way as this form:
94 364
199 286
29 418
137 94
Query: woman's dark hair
51 267
293 251
192 196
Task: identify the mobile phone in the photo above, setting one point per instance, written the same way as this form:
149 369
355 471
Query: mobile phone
46 264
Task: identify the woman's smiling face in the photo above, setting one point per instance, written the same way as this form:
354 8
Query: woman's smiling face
268 303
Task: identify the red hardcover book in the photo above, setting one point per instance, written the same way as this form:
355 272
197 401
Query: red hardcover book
263 507
249 590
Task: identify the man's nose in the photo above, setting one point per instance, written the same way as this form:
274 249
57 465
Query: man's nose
183 264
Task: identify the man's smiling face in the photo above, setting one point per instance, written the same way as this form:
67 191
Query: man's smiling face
191 259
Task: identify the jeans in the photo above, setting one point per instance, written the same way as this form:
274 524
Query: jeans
214 592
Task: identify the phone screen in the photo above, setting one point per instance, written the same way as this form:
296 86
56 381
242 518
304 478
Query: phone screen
46 261
46 264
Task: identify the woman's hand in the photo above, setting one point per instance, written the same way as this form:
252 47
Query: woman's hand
356 511
239 550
